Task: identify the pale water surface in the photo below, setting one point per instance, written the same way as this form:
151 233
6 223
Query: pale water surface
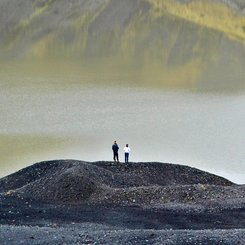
46 117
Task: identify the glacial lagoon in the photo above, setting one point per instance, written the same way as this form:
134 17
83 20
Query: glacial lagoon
71 113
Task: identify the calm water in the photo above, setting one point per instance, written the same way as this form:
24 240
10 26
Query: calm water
72 115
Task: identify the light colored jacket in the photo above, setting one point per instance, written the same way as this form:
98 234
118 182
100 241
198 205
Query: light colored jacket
126 149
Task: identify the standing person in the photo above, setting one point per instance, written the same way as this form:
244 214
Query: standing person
126 152
115 149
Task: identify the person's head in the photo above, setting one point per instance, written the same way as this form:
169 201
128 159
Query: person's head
115 142
126 145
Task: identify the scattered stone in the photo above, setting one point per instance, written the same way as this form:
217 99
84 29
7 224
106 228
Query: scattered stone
144 203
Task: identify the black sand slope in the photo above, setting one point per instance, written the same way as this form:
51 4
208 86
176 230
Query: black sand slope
77 202
70 181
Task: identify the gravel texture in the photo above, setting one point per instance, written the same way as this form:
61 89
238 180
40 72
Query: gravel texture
76 202
99 234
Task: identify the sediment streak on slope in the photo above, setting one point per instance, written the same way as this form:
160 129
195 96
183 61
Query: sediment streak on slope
210 14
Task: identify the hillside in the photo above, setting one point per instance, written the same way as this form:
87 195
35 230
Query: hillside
69 201
71 181
184 43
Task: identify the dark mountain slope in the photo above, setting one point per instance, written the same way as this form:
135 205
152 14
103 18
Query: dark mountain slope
77 181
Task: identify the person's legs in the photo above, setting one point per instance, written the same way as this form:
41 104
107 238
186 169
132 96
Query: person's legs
116 154
126 157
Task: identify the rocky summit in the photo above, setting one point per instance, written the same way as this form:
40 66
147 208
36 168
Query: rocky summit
72 181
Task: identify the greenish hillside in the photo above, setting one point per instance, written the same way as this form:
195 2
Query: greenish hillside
199 44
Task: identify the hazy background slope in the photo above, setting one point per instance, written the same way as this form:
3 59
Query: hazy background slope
193 44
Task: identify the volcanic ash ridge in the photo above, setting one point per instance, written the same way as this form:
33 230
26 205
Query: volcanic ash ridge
148 183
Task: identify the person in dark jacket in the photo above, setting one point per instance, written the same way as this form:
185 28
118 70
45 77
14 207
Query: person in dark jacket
115 149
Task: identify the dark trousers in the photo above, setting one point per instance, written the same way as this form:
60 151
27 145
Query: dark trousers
115 156
126 157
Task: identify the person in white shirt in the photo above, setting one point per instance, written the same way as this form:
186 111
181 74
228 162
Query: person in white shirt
126 152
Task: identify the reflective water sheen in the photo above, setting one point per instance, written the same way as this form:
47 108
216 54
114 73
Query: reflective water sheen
78 115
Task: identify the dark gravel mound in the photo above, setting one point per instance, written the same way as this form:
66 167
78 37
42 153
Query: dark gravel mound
72 181
114 174
137 203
